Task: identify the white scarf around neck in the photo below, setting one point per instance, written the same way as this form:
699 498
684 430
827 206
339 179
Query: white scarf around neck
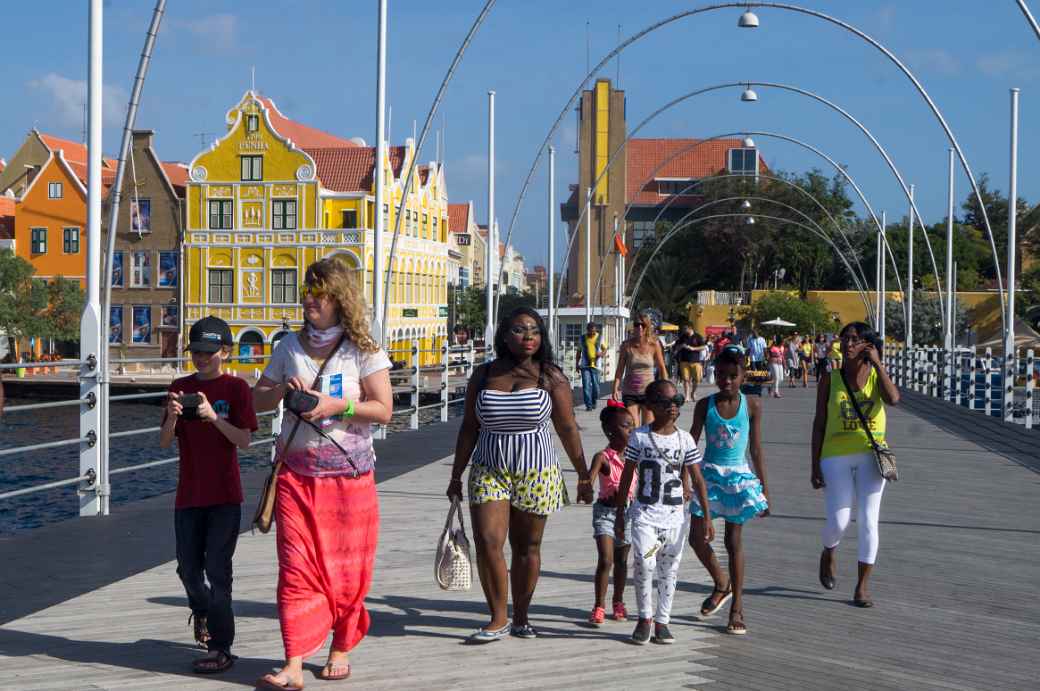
322 338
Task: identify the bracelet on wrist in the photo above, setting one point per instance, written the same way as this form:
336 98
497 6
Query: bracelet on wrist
349 411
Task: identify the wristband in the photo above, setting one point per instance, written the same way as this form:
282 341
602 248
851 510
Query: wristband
349 412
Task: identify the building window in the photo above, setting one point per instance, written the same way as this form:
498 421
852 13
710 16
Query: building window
54 190
252 168
39 241
221 212
141 215
743 161
350 218
572 333
115 334
221 286
168 269
70 240
463 277
283 216
252 123
666 188
283 286
142 324
250 347
117 270
140 269
642 233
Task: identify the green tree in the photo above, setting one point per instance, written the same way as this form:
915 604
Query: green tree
22 299
471 312
808 316
61 318
928 327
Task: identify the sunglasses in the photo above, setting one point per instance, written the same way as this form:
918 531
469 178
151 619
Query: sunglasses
677 400
313 292
525 331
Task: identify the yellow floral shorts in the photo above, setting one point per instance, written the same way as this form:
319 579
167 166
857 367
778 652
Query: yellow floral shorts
536 491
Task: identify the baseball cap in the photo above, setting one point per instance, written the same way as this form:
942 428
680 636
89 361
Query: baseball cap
208 334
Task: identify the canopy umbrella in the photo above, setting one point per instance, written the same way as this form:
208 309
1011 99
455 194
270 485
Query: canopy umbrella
778 322
668 326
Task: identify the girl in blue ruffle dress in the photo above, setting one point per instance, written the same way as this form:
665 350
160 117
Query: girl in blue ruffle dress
730 423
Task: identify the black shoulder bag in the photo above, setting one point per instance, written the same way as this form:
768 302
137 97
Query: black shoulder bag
886 460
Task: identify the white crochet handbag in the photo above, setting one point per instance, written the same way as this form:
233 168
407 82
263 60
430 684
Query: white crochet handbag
453 567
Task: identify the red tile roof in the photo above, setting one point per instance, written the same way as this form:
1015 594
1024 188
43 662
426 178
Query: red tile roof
108 176
3 164
75 152
350 169
176 172
302 135
644 155
6 218
458 218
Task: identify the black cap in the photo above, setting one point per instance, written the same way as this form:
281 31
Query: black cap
207 335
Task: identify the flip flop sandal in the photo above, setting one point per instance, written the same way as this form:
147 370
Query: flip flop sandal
213 665
710 607
736 625
267 683
481 636
326 673
865 604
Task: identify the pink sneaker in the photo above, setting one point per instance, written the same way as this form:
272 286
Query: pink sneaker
597 617
620 613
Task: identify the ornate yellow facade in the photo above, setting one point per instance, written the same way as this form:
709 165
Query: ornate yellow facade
272 196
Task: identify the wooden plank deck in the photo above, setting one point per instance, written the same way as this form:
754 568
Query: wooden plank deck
956 591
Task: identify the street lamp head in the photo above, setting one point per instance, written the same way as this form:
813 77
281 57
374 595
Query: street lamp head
749 143
749 95
748 20
745 205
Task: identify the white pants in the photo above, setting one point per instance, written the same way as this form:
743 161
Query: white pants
845 476
664 564
776 371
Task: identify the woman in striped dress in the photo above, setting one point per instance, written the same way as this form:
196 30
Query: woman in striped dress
515 480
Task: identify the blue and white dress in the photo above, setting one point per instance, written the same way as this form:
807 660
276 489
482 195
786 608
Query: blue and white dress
734 491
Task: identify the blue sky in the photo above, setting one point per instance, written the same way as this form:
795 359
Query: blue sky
318 62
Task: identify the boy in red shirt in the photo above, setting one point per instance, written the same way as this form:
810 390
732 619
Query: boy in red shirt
208 509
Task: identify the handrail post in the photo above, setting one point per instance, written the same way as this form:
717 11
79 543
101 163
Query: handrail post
958 369
445 358
1029 388
987 368
414 418
972 381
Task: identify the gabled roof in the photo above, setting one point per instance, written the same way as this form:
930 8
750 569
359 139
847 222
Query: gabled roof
644 155
6 218
458 218
75 152
108 176
303 136
342 169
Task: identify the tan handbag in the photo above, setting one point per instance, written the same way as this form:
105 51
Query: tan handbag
453 567
263 518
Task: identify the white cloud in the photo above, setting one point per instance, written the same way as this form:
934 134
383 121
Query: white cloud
936 60
69 96
217 31
998 64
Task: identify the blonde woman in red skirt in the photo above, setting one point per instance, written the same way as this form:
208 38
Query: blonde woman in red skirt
326 512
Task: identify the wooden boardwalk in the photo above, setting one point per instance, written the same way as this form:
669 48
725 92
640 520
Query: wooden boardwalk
955 586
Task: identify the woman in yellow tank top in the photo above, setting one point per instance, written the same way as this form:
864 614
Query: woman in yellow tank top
843 462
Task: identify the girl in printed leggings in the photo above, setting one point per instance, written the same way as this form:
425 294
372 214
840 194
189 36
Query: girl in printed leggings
843 463
659 453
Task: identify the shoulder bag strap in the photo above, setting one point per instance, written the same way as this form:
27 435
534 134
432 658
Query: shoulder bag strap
855 406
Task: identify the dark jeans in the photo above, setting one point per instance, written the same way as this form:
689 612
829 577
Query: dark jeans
206 539
590 386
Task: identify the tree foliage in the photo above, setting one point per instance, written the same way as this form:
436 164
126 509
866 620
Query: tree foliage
472 314
32 307
928 320
808 316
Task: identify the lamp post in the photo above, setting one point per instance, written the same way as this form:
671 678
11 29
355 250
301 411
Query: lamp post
551 307
378 297
1009 339
491 258
909 292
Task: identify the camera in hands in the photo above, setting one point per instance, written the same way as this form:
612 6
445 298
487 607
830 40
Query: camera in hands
300 401
190 403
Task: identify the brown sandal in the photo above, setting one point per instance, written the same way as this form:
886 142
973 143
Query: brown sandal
326 673
710 606
214 664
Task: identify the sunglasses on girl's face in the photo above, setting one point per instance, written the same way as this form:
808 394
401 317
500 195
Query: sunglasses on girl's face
677 400
525 331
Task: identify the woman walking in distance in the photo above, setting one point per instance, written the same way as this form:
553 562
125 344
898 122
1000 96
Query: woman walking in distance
639 355
843 462
326 511
515 480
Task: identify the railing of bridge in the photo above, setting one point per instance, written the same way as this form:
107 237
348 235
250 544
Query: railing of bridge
430 379
974 379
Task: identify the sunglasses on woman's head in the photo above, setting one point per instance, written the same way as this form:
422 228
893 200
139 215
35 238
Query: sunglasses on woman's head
677 400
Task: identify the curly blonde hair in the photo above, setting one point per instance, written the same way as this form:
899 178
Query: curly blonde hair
332 275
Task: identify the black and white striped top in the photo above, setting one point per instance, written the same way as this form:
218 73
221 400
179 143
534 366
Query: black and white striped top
514 430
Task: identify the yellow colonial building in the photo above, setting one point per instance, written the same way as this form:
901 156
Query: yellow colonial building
273 195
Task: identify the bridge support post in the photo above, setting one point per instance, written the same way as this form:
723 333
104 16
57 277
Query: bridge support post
987 373
444 380
413 422
1030 383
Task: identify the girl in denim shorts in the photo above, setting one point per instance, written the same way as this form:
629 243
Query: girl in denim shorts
607 465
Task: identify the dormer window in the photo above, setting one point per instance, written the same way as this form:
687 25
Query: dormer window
54 190
743 161
252 123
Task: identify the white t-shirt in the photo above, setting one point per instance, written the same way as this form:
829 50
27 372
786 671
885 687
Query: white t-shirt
659 497
311 453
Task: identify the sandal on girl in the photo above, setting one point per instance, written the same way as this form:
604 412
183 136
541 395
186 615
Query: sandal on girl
213 663
736 624
334 671
711 605
268 683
